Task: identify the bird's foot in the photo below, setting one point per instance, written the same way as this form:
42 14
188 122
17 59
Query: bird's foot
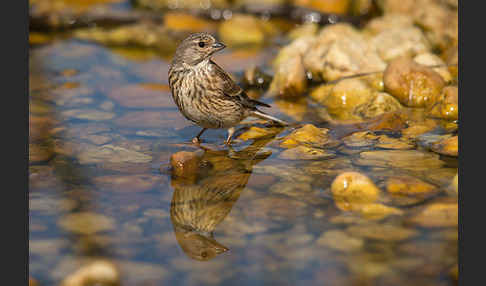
196 141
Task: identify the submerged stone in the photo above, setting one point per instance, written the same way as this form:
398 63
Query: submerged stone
352 190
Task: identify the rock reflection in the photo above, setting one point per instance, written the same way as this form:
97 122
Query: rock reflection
207 184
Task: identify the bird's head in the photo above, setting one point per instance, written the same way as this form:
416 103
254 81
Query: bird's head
197 48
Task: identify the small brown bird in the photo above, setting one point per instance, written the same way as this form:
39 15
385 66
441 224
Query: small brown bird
204 92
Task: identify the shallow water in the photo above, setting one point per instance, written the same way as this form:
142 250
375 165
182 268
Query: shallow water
103 129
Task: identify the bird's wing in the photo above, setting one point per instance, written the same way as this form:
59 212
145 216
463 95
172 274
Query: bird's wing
230 88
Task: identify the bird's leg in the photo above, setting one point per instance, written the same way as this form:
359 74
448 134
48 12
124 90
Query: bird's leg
196 139
231 131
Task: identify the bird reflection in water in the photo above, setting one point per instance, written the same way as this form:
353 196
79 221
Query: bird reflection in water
207 184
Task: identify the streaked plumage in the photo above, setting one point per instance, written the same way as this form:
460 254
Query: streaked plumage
204 92
204 196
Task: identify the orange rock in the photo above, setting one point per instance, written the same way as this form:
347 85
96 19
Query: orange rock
353 190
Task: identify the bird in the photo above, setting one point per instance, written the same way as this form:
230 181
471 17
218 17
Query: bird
207 184
204 93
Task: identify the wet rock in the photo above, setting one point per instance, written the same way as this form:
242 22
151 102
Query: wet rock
384 232
346 96
438 214
402 143
290 79
360 139
447 106
306 153
418 129
406 185
407 190
88 114
429 59
245 30
379 103
352 190
99 272
328 6
340 50
448 146
86 223
401 41
414 85
340 240
309 135
185 164
127 183
142 95
111 154
390 121
405 159
257 132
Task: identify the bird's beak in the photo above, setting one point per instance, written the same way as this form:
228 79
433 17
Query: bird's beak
218 46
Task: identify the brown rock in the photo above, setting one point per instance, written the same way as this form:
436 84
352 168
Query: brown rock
309 135
257 132
360 139
448 146
378 104
290 78
378 211
412 84
447 106
346 96
185 164
352 190
406 185
406 159
306 153
439 214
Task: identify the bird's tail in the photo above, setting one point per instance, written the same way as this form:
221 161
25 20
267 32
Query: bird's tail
265 116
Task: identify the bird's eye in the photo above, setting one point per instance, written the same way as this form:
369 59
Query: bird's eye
204 254
202 44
